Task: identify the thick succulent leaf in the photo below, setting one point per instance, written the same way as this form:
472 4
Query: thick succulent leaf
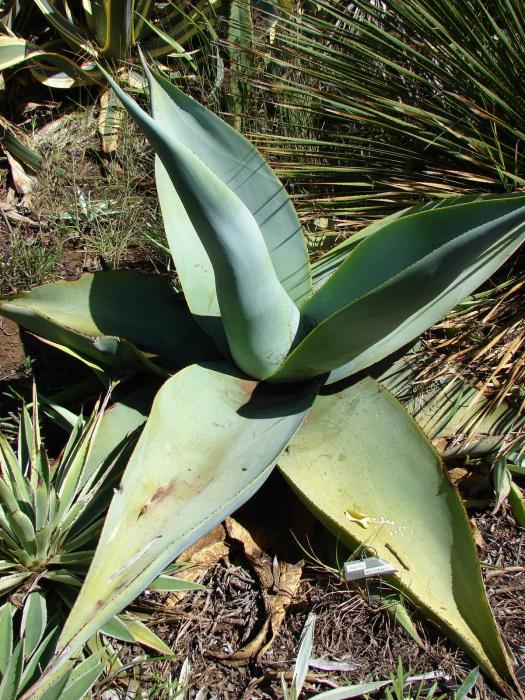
50 66
325 266
451 411
119 29
399 281
405 240
106 315
359 450
259 318
211 440
243 170
65 28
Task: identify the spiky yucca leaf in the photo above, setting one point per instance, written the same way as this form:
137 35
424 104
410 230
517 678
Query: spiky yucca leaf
371 107
50 510
27 641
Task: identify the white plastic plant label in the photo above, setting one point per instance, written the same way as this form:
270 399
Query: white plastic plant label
364 568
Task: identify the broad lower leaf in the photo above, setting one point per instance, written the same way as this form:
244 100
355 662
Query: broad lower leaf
107 316
211 440
360 451
399 281
239 165
258 317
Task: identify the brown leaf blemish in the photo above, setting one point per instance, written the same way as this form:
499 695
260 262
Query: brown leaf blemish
160 494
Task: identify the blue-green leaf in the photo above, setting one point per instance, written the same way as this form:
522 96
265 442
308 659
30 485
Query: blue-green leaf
399 281
259 319
360 452
109 315
236 162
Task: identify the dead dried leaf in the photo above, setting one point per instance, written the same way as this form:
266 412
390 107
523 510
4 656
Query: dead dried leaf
11 213
457 475
24 183
278 582
202 555
478 537
289 581
276 598
110 119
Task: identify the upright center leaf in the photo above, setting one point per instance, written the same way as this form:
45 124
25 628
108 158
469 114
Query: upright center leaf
259 318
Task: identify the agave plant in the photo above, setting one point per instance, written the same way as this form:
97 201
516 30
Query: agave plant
51 512
98 31
264 352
